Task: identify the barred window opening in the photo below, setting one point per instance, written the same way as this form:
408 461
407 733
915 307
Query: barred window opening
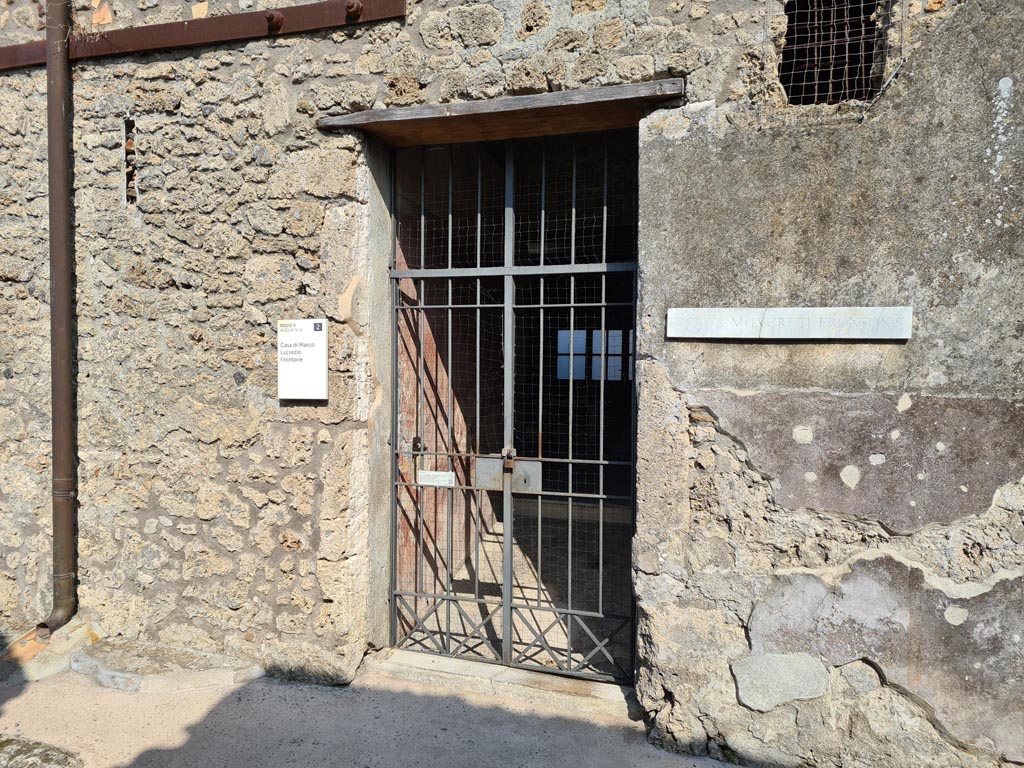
834 50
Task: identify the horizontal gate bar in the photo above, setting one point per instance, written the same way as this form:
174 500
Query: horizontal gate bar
547 269
597 462
552 494
231 27
568 611
453 597
592 305
524 606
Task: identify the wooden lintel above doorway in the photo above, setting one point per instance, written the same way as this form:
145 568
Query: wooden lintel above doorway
512 117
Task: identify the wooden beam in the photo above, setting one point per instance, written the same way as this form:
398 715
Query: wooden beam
576 111
233 27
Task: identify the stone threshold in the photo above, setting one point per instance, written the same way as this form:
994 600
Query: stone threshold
483 678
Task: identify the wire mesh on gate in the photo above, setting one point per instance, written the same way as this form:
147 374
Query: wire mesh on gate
839 50
514 299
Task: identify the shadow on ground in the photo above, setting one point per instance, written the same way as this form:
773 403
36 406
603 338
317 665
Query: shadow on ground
377 722
270 723
17 752
8 671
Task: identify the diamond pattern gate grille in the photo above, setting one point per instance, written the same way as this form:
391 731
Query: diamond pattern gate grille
514 431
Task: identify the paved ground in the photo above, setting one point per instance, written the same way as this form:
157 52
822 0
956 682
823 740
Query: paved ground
381 721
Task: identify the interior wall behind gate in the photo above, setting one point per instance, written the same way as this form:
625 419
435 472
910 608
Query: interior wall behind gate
829 550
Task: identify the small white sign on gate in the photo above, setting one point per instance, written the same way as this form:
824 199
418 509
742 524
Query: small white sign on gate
435 479
302 359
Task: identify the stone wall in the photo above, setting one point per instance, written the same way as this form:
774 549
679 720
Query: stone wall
833 572
212 515
25 356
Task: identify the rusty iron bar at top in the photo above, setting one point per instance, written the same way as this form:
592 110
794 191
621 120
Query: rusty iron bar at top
251 25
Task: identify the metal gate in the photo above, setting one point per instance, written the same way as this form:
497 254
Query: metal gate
514 403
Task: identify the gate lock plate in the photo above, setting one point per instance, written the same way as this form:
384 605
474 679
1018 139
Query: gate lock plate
490 471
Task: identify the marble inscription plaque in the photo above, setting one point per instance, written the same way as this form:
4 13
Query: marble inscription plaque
791 323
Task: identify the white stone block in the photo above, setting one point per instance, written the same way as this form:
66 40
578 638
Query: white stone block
791 323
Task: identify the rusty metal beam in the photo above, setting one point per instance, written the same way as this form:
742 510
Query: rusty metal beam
233 27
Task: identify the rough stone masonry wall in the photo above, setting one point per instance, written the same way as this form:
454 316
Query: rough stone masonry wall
830 546
211 515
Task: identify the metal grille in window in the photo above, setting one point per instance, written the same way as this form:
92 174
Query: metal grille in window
835 50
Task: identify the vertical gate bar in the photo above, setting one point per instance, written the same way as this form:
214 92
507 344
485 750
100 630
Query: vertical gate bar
479 212
543 205
846 86
604 205
540 378
540 365
477 525
572 224
421 398
509 362
395 407
540 437
423 211
600 449
817 52
477 495
478 498
479 292
572 380
604 375
540 301
540 548
451 186
631 364
451 491
449 413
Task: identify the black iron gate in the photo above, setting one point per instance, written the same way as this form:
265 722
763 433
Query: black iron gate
514 429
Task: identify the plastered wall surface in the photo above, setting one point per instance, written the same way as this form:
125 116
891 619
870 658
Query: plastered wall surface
833 572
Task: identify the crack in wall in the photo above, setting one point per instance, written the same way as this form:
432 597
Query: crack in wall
735 495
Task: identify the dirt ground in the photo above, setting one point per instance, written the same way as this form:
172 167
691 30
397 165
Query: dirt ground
380 721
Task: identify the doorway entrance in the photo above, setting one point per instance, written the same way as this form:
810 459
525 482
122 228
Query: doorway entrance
514 282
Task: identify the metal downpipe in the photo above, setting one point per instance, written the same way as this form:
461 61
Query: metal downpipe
62 303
